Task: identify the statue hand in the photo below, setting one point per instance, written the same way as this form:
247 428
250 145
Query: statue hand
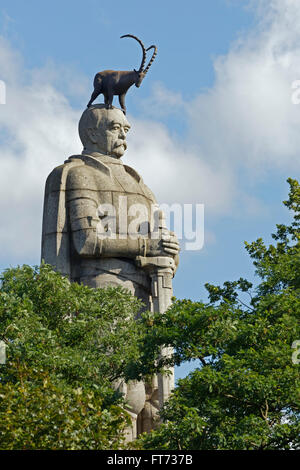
170 242
168 245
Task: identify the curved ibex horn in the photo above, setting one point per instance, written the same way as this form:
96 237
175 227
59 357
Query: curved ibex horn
152 58
142 46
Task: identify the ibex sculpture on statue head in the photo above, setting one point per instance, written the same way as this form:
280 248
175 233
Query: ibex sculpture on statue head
111 82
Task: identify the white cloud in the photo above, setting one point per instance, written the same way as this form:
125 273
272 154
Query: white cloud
39 131
247 118
245 123
163 102
173 171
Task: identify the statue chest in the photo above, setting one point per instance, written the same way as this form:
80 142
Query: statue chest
122 190
127 200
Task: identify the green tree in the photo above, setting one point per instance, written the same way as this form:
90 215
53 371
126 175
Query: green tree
65 345
245 395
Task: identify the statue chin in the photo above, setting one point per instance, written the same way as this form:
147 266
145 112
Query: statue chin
118 152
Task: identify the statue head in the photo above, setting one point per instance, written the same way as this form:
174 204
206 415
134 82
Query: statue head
104 130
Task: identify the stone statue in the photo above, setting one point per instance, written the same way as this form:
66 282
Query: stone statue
91 233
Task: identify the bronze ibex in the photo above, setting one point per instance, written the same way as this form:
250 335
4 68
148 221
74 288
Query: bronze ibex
111 82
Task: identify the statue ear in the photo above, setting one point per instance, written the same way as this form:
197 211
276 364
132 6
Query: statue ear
91 135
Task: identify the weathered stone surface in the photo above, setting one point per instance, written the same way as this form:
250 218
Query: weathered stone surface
77 242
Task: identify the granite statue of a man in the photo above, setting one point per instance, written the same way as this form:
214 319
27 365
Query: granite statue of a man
97 228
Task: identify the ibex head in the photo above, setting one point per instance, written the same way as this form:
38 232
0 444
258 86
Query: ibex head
140 74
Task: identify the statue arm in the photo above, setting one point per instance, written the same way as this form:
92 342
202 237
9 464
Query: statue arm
88 242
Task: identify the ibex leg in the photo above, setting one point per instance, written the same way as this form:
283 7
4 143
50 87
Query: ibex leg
108 99
93 97
122 102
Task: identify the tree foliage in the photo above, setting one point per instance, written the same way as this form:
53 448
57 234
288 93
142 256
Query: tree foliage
245 395
65 345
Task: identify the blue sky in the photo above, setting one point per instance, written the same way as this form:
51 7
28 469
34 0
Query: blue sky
86 34
212 123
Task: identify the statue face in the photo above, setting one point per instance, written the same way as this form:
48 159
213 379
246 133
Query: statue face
110 136
116 129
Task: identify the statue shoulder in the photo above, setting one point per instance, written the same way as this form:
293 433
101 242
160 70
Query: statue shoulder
57 178
148 193
88 173
133 173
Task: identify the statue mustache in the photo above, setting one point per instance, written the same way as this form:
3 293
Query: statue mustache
121 142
